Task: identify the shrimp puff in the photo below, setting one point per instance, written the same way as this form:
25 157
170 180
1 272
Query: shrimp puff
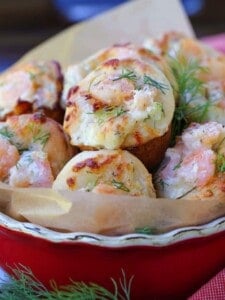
30 87
122 104
35 132
106 172
195 167
75 73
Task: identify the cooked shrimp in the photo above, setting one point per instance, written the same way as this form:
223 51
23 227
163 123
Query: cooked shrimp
32 169
176 43
9 156
75 73
36 132
30 87
193 164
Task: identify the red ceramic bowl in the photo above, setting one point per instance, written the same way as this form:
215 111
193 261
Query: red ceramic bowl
166 266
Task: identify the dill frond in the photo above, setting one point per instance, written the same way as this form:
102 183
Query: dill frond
145 230
24 285
127 74
6 133
38 134
120 185
108 112
220 163
189 89
158 85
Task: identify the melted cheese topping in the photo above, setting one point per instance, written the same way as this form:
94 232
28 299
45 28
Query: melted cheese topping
193 162
106 172
75 73
38 83
122 103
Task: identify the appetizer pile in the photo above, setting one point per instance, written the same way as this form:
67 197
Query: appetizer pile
135 120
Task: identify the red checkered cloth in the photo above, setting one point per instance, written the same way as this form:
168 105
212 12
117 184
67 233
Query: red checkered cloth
216 41
212 290
215 288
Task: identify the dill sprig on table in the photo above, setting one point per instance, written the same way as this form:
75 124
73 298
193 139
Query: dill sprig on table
24 285
190 90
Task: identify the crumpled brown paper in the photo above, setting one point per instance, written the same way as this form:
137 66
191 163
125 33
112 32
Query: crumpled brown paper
81 211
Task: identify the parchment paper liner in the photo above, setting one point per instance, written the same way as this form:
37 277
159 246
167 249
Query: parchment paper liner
105 214
80 211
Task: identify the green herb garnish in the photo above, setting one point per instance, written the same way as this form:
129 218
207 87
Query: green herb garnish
145 230
158 85
156 113
127 74
220 163
42 138
34 75
161 183
39 135
107 113
9 135
190 90
177 166
120 185
5 132
24 285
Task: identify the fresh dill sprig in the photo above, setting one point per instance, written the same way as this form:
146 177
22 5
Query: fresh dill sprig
108 112
189 89
158 85
24 285
120 185
145 230
128 74
41 137
162 184
9 135
38 134
178 165
5 132
220 163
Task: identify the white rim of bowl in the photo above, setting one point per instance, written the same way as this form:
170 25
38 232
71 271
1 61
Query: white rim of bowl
134 239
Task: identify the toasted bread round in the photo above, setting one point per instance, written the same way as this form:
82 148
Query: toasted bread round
106 172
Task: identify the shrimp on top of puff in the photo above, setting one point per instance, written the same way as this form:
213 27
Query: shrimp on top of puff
31 87
195 167
34 149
